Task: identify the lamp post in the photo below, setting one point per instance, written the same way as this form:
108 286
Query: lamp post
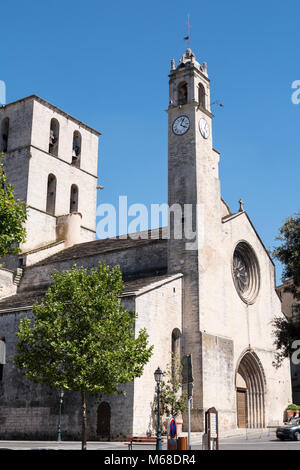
61 396
158 375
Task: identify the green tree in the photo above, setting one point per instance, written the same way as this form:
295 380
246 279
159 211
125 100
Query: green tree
286 330
13 214
82 338
172 399
289 252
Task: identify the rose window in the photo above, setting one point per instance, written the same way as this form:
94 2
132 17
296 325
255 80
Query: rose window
245 272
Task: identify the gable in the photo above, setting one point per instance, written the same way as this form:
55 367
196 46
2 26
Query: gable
232 219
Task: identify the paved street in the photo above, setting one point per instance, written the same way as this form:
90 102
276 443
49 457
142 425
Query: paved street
264 441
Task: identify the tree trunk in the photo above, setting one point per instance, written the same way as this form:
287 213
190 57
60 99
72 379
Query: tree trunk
83 410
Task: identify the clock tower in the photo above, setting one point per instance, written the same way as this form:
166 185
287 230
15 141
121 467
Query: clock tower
194 204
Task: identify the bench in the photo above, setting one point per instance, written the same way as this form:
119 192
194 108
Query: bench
140 440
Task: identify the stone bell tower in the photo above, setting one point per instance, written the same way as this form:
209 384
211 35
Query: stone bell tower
51 160
193 186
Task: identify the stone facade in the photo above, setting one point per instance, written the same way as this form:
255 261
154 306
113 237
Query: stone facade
30 411
216 290
7 285
219 328
28 164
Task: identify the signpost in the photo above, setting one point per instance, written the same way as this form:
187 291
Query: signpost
172 434
187 380
211 429
173 429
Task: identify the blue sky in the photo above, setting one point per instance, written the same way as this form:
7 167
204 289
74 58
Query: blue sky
107 63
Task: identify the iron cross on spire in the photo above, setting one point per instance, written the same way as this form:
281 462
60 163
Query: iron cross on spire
187 38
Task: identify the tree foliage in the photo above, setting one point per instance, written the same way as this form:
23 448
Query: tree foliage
172 399
12 217
287 330
82 338
289 252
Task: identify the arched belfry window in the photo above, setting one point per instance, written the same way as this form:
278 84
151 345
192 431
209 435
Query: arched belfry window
74 198
4 135
54 137
201 95
182 94
76 149
2 355
51 194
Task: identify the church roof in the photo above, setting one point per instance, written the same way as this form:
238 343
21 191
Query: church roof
107 245
142 285
22 301
25 300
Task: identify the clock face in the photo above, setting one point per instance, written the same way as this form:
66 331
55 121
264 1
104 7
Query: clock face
204 128
181 125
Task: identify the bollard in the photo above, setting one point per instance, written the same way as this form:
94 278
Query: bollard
182 443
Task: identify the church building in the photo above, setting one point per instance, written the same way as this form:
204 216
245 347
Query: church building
212 296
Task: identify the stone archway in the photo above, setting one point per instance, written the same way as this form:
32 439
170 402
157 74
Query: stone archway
250 391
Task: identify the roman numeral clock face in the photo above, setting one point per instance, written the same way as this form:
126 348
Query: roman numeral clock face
181 125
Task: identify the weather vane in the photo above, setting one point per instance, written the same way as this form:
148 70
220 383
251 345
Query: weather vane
187 38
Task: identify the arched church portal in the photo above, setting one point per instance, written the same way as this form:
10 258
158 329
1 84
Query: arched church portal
250 392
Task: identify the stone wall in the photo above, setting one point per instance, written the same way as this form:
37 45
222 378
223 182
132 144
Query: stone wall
44 235
20 123
43 113
34 256
218 326
160 312
7 286
41 165
13 162
246 326
133 262
30 411
28 165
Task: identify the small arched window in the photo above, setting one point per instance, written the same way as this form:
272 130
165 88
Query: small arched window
74 198
176 342
103 420
2 355
4 135
54 137
76 150
51 194
182 94
175 349
201 96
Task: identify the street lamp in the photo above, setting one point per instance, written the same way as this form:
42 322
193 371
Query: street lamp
61 396
158 375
